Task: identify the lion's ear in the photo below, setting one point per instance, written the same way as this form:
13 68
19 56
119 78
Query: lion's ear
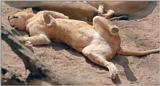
49 20
28 10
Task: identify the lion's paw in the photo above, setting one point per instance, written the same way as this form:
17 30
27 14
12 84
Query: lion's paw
113 71
22 40
29 45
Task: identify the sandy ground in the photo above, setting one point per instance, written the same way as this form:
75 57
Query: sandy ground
72 67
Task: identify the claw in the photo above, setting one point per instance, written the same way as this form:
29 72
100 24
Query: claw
114 76
22 40
29 45
113 71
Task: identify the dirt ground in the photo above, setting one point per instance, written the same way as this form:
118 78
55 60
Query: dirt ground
72 67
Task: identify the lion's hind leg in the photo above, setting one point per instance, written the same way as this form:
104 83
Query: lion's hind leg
109 14
96 56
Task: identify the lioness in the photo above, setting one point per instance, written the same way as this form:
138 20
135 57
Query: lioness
99 42
86 11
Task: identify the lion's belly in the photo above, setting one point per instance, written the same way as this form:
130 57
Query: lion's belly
76 34
76 38
81 39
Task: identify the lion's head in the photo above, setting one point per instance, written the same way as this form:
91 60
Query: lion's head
18 20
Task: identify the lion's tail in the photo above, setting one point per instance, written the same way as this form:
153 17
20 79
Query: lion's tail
137 53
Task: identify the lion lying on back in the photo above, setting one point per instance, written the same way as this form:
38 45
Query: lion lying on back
99 42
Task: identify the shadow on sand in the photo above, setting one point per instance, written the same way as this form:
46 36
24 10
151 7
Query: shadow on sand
123 61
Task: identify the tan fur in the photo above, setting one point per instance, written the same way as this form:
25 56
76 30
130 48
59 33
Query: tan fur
86 11
134 9
99 42
123 7
75 10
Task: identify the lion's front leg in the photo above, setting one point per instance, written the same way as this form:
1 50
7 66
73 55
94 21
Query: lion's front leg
39 39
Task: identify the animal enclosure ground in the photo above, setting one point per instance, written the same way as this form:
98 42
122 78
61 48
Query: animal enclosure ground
72 67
